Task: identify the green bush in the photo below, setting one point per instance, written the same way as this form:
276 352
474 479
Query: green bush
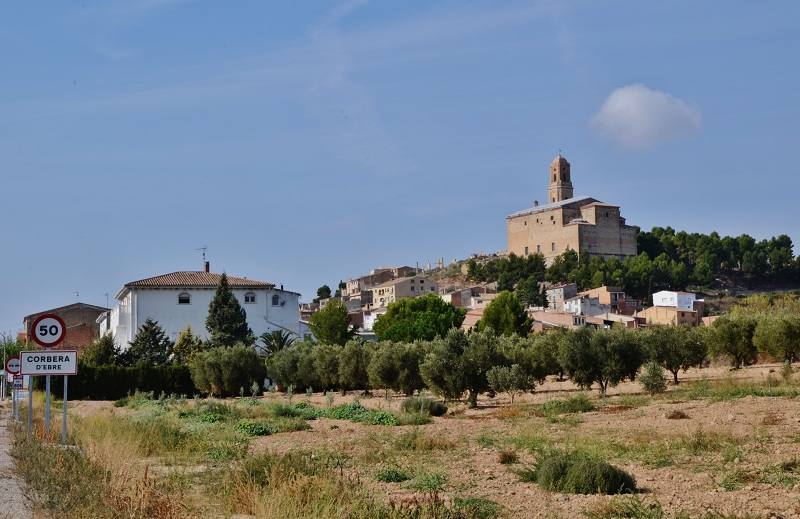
577 473
355 412
574 404
223 371
475 508
254 427
423 405
392 475
652 378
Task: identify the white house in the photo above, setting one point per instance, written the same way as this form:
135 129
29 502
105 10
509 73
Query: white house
181 299
684 300
585 305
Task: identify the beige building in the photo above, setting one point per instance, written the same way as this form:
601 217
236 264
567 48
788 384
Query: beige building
401 288
569 222
668 316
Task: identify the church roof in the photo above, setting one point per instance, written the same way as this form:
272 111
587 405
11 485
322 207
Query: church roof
580 200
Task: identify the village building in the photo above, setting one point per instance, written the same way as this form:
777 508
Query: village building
569 222
615 298
558 294
585 305
673 308
180 299
401 288
80 320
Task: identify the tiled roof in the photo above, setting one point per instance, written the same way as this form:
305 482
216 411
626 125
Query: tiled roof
582 200
196 279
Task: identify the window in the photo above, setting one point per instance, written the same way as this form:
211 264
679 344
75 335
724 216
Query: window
276 300
184 298
538 249
250 297
553 246
526 251
412 288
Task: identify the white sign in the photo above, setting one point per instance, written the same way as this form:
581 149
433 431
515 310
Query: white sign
49 362
17 384
48 330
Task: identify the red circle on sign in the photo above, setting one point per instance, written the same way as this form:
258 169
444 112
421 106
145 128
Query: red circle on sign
57 338
12 366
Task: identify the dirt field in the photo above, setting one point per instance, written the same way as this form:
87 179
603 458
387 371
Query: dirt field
694 450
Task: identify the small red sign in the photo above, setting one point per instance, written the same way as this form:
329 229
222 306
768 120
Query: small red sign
12 365
48 330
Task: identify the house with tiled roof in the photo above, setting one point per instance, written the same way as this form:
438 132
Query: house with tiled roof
180 299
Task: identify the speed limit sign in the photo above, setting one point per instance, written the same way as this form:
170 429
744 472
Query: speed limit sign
48 330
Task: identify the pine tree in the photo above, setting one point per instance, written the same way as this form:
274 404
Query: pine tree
101 352
227 320
151 345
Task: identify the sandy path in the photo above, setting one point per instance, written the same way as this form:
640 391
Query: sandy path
13 502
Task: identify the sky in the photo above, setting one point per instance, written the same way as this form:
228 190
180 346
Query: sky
308 142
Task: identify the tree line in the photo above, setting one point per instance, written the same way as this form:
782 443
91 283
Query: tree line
470 363
666 260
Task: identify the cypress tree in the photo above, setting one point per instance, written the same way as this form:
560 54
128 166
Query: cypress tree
150 345
227 320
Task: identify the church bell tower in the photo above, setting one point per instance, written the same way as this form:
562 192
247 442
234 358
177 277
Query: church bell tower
560 183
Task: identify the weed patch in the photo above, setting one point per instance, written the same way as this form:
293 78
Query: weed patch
392 475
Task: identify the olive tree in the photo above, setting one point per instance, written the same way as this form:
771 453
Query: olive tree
604 357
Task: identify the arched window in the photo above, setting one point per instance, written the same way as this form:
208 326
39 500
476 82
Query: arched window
184 298
276 300
250 297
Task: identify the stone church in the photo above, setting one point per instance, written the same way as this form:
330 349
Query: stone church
566 222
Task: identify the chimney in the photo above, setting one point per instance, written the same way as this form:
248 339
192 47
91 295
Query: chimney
535 203
206 266
281 287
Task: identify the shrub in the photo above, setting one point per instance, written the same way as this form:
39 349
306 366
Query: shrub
355 412
354 358
507 457
423 405
429 482
652 378
578 473
573 404
223 371
392 475
254 427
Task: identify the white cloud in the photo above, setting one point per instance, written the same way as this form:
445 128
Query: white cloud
637 117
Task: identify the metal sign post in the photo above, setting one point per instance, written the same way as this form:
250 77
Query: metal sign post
48 332
64 415
47 363
47 403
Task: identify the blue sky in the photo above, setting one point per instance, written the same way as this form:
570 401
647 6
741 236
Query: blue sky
307 142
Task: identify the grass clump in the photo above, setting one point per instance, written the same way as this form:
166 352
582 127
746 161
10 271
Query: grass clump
392 475
475 508
423 405
577 473
630 507
416 440
507 457
254 427
573 404
429 482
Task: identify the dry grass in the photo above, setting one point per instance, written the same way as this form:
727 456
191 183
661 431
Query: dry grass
676 414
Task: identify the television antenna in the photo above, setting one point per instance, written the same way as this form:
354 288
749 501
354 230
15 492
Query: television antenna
203 249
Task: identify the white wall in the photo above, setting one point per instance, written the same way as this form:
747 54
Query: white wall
674 299
162 306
